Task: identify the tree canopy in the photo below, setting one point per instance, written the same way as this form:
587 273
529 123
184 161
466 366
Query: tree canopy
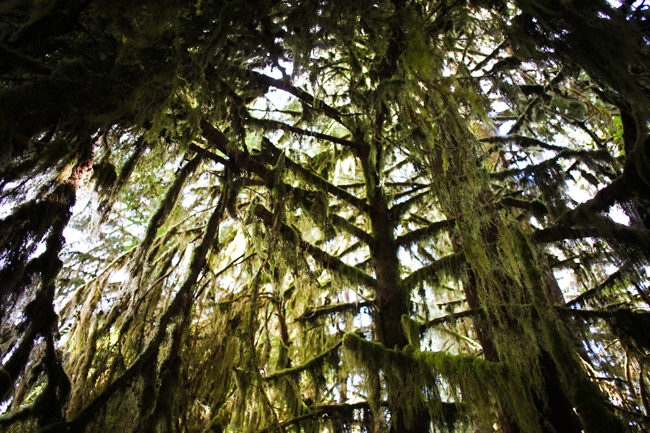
324 216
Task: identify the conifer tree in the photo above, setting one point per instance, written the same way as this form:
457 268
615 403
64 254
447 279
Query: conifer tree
310 216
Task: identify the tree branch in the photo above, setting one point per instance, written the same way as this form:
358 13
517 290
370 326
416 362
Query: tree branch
244 162
324 409
400 209
432 272
302 367
328 261
352 229
449 318
612 279
213 156
334 308
598 155
177 305
600 227
425 232
300 94
321 184
274 124
522 141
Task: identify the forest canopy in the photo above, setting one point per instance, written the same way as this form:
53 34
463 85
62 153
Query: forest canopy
324 216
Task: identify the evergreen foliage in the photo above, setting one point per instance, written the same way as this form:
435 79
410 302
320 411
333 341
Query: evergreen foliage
310 216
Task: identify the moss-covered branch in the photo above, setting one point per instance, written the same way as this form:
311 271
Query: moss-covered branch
321 184
302 95
444 319
273 125
326 260
522 141
248 162
425 233
535 207
468 379
584 155
164 209
213 156
317 360
322 410
595 291
352 229
400 209
446 266
618 191
597 226
129 166
584 394
333 308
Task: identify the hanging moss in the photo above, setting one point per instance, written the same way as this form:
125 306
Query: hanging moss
382 185
105 176
467 381
412 331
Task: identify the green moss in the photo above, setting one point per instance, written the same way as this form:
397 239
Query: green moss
419 380
412 331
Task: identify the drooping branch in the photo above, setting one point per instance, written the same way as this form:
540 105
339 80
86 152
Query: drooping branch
411 191
336 220
490 56
444 319
213 156
320 411
617 191
400 209
596 226
107 203
164 209
616 313
522 141
39 312
573 312
536 207
585 155
319 183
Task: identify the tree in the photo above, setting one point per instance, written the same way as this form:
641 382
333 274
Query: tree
324 216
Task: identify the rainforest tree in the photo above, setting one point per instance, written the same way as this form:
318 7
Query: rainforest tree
308 215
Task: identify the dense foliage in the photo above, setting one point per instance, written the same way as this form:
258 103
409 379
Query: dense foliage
310 215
